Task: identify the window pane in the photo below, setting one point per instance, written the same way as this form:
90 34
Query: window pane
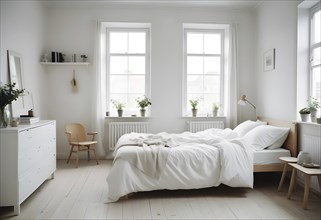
194 96
122 98
136 65
136 84
316 83
118 84
132 104
316 53
118 42
209 100
194 65
212 44
127 63
317 28
204 59
118 65
195 43
137 42
212 65
212 84
194 84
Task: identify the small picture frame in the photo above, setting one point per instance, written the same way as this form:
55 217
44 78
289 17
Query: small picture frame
269 60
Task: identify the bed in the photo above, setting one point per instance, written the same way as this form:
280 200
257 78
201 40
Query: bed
289 148
146 162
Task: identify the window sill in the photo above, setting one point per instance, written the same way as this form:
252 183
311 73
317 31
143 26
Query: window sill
309 123
127 117
204 117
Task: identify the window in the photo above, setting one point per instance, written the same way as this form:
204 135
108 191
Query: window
127 67
315 53
204 64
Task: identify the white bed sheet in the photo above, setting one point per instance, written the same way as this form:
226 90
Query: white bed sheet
189 166
270 156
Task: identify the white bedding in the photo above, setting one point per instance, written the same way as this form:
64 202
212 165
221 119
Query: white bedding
200 160
270 156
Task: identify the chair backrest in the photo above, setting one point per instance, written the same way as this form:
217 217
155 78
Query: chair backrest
77 131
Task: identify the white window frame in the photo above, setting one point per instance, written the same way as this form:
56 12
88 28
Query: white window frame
128 27
312 47
205 28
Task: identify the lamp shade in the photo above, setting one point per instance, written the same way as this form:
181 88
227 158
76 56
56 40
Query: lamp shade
243 101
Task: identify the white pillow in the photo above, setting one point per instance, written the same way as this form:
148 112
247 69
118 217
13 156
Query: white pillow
278 143
264 136
246 126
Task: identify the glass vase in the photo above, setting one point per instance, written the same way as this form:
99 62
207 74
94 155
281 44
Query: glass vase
4 117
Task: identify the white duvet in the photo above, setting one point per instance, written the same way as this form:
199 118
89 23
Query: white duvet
194 160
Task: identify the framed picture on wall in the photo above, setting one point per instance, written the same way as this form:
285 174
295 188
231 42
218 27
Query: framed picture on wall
269 60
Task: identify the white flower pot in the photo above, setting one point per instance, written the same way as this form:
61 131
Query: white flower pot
305 117
120 113
313 116
194 112
215 112
142 112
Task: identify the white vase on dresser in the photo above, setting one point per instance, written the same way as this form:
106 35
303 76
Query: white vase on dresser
27 159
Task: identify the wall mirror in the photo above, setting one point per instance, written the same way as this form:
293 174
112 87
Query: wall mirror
16 76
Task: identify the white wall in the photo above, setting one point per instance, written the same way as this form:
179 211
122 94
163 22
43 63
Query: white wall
276 89
72 30
31 30
23 25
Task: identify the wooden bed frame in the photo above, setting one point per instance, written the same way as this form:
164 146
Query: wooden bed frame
290 144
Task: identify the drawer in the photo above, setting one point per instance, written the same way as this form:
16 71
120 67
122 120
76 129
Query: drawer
29 181
33 178
29 158
36 144
34 157
25 163
25 141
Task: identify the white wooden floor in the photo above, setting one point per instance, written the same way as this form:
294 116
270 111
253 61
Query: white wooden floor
79 193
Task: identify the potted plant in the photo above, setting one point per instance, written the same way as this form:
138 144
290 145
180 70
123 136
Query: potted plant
119 106
215 108
8 94
142 104
194 103
305 112
313 105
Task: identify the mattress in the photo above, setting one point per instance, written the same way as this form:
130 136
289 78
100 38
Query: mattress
270 156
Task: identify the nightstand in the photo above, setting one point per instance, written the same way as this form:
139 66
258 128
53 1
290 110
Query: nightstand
286 160
308 172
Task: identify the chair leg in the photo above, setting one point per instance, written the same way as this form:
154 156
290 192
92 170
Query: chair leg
77 159
88 153
94 149
71 149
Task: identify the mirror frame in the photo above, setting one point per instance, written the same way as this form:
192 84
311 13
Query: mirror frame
16 76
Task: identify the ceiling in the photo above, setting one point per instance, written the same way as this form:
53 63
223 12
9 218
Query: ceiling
185 3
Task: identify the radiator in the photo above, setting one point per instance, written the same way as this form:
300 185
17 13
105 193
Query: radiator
117 129
312 145
195 126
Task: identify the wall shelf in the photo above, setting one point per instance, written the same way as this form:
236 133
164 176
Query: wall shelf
66 63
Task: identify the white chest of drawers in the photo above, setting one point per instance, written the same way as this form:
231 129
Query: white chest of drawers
27 159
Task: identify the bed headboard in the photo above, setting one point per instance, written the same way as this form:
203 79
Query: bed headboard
291 142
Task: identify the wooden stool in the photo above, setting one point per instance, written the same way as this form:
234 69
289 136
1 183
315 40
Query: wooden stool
286 160
308 172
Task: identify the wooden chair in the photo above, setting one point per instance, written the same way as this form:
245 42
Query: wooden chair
78 140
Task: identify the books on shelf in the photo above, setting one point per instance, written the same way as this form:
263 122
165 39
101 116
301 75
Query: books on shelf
28 120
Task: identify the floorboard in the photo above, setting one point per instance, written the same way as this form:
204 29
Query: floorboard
80 193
